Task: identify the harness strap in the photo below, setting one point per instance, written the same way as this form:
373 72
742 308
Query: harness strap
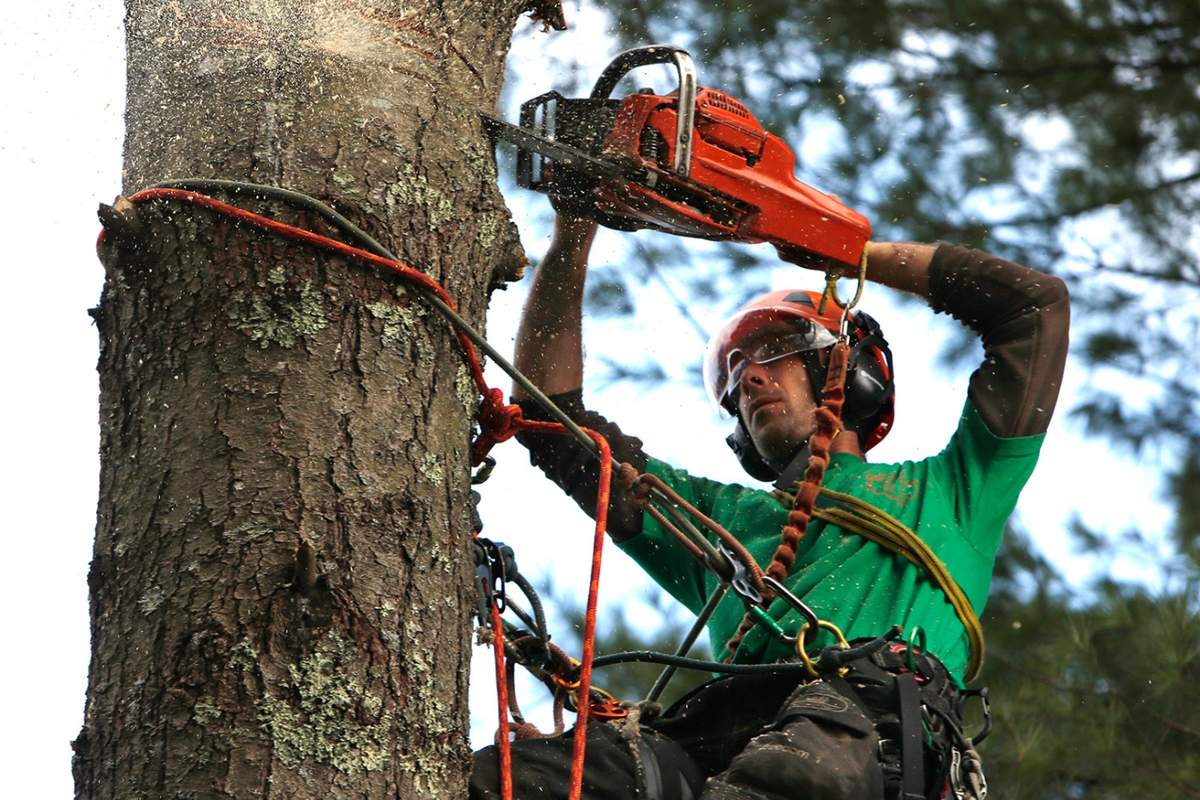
912 754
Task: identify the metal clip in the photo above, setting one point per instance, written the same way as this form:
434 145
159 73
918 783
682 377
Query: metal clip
810 616
966 775
484 472
956 781
740 580
490 577
985 702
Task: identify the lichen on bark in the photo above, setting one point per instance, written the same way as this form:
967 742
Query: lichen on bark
320 718
278 313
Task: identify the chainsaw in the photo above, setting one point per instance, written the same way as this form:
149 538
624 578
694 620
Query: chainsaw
694 162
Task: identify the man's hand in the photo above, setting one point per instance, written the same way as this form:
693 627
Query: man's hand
900 265
804 258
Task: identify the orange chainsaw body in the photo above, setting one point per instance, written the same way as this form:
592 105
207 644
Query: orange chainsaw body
694 162
741 183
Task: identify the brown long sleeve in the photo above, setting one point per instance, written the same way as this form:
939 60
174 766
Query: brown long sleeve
567 463
1022 316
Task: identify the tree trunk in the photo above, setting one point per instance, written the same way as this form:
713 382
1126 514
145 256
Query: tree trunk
280 589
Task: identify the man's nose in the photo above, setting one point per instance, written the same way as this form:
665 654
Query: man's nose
754 375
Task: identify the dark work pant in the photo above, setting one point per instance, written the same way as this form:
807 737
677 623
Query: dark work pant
752 737
616 765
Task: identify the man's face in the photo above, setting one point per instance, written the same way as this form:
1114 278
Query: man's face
775 402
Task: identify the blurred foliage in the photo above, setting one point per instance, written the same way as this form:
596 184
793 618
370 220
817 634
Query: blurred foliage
1091 699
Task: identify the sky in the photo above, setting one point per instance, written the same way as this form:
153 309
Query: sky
60 150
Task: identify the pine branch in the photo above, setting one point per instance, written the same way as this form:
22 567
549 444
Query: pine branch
1173 725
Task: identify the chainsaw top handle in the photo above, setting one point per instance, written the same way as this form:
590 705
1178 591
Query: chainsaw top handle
660 54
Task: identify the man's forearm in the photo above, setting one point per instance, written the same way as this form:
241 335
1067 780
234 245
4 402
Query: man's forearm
549 347
1021 315
900 265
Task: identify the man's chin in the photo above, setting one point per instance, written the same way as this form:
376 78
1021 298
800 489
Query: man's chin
777 450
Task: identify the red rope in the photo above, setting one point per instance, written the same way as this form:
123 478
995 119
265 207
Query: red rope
326 243
504 746
589 625
498 421
828 419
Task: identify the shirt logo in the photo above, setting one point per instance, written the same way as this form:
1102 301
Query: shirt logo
898 490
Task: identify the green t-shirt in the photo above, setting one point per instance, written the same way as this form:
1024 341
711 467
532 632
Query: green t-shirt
956 501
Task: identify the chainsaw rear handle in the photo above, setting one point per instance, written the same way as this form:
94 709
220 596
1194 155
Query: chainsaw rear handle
660 54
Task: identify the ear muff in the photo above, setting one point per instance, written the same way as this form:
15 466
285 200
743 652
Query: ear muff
869 384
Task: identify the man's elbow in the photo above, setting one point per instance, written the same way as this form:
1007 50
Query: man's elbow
1053 300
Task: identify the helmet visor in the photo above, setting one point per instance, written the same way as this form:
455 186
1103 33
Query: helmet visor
785 338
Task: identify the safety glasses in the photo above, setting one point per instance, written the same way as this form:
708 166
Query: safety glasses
767 347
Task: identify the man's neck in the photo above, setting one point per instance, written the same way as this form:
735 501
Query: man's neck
846 442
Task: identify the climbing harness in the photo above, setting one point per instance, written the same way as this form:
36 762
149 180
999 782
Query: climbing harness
570 679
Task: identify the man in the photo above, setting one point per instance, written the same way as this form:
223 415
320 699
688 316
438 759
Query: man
776 736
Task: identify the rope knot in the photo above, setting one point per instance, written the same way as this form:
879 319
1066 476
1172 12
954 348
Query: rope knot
629 479
498 422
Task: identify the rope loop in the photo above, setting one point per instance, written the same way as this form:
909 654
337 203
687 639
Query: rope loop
630 480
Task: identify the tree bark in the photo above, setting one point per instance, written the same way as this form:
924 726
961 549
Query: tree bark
280 589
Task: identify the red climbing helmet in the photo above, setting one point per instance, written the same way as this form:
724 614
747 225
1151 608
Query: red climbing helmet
788 322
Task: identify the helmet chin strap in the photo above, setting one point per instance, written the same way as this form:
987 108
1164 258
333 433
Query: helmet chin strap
758 467
793 473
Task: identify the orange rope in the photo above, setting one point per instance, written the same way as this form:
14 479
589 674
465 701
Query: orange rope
503 745
589 625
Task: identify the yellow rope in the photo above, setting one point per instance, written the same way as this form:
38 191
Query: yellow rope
876 525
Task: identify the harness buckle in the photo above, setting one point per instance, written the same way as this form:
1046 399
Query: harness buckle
491 576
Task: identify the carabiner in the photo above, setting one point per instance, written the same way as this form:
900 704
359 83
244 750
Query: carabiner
831 293
812 621
810 664
490 573
740 581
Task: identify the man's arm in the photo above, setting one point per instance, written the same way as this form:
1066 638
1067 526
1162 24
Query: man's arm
901 265
1021 315
549 350
549 347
